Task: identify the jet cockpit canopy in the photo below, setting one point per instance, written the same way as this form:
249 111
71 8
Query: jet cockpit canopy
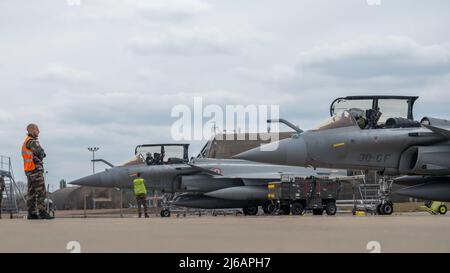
373 112
160 154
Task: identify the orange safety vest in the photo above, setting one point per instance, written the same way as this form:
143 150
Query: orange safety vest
27 155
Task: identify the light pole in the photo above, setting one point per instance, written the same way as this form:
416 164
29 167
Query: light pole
93 150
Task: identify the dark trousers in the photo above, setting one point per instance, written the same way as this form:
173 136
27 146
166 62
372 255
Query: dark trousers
141 201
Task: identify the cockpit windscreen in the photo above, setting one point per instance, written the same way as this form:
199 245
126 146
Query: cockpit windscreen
161 154
385 108
344 119
392 109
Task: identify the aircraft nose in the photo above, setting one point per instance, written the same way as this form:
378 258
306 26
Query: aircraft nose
291 151
94 180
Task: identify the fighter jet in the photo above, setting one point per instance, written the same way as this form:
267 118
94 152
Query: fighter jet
201 182
372 133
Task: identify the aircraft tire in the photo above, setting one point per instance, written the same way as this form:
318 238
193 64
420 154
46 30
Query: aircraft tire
331 208
269 208
387 208
272 208
165 213
379 212
250 211
297 208
443 209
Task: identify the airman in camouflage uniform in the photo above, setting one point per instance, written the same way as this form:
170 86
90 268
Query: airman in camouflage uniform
2 188
36 184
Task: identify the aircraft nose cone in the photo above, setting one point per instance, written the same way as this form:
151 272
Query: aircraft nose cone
95 180
285 152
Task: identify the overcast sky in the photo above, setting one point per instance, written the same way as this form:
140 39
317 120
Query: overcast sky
108 72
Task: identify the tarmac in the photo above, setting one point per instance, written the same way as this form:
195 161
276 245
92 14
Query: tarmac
405 232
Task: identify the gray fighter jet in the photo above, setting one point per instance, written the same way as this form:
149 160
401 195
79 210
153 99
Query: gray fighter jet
202 182
372 133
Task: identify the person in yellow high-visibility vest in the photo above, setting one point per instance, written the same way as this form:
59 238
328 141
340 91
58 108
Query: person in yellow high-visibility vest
140 191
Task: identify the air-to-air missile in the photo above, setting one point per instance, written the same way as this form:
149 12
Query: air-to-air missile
372 133
201 182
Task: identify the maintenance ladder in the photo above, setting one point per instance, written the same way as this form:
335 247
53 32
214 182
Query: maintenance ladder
9 202
372 192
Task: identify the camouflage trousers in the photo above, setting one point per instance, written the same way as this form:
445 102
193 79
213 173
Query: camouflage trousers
141 200
36 192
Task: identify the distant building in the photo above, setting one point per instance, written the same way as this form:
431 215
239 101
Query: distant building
72 198
228 145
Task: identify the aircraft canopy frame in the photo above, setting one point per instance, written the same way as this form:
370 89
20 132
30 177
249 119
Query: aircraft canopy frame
162 150
141 157
376 102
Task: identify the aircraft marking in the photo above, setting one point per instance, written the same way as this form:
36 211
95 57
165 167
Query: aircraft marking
374 157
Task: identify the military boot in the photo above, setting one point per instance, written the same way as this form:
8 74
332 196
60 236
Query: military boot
32 216
140 215
45 216
146 215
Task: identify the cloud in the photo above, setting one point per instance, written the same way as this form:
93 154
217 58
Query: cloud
195 41
375 56
365 65
380 63
154 10
276 73
6 116
177 9
62 73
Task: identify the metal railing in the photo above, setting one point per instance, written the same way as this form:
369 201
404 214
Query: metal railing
12 191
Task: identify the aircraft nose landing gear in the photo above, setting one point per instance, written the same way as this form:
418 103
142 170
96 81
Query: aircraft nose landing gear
374 192
250 210
386 208
165 213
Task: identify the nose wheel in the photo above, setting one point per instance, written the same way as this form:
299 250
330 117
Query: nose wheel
385 208
250 210
165 213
